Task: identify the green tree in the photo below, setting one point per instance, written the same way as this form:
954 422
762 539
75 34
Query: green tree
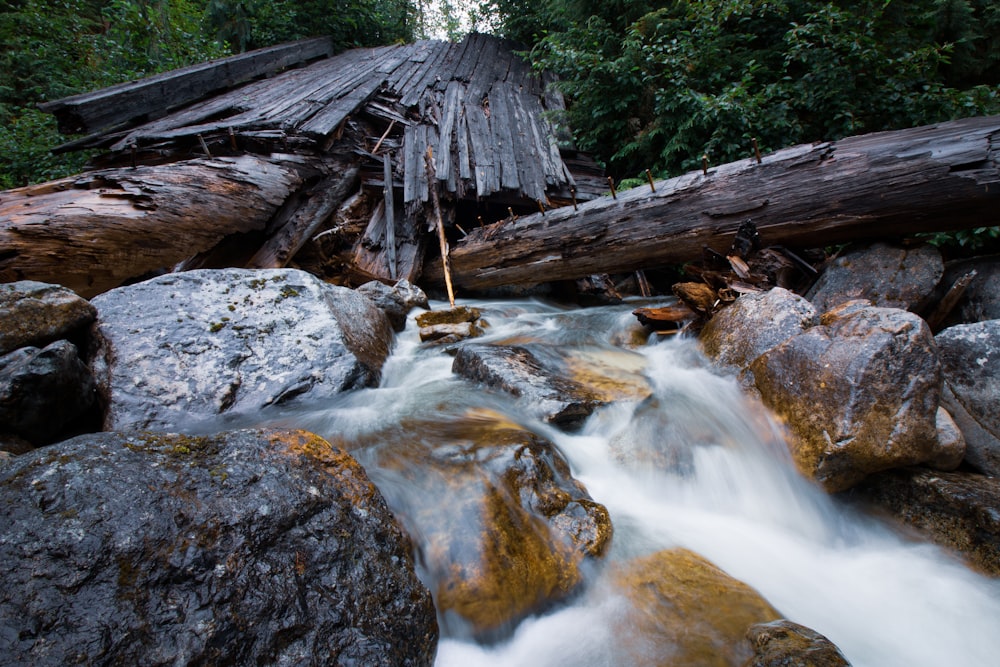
657 85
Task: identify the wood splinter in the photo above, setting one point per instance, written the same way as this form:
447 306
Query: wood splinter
649 176
704 164
611 182
204 146
756 149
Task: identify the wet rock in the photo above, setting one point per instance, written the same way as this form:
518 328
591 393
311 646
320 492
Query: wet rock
36 314
951 443
783 643
443 327
245 548
981 299
957 510
754 324
502 527
516 371
888 276
46 394
191 346
970 363
686 611
859 392
396 301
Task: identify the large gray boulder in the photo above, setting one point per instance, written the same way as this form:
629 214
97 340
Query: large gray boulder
245 548
859 392
970 362
188 347
888 276
395 301
34 313
46 393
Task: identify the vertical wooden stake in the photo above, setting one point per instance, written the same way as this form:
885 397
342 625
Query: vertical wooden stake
232 140
390 218
432 184
132 146
756 150
572 192
480 219
541 207
649 175
704 164
204 146
611 182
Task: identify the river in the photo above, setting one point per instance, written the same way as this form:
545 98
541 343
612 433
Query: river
882 598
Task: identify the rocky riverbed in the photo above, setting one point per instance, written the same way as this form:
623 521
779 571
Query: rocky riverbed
127 541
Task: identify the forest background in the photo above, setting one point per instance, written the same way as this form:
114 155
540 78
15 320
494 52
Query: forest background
651 85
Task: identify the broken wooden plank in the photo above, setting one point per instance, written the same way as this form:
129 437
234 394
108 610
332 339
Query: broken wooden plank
92 233
933 178
390 217
93 111
323 201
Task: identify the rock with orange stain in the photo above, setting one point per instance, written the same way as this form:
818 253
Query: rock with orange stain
685 611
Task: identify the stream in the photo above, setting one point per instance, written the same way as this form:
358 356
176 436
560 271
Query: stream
882 598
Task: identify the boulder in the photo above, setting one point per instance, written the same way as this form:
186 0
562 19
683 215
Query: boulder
970 363
444 327
396 301
753 324
246 548
46 394
502 527
685 611
859 392
783 643
36 314
888 276
188 347
957 510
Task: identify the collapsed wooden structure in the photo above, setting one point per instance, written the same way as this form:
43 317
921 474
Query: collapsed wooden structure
252 162
320 165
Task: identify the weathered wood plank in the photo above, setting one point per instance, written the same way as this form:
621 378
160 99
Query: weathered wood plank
501 129
390 215
323 200
93 111
92 233
933 178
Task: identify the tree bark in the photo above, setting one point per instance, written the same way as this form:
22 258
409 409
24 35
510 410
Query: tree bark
933 178
93 232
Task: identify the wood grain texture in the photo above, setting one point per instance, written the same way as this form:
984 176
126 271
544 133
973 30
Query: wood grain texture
933 178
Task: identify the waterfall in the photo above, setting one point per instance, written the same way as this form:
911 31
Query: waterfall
696 464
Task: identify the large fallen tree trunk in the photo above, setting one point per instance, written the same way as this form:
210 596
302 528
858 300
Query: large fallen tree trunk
93 232
933 178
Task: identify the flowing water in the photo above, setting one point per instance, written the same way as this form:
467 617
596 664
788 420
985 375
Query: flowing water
735 499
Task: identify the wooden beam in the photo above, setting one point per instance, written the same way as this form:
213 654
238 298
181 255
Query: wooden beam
154 95
933 178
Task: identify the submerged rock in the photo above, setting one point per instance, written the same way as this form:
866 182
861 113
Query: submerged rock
860 393
786 644
249 547
501 526
888 276
559 387
36 314
46 394
970 361
957 510
187 347
686 611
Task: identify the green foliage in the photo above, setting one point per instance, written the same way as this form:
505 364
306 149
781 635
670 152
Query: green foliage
658 85
51 49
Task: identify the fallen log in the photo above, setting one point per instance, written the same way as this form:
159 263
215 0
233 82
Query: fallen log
155 95
933 178
93 232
